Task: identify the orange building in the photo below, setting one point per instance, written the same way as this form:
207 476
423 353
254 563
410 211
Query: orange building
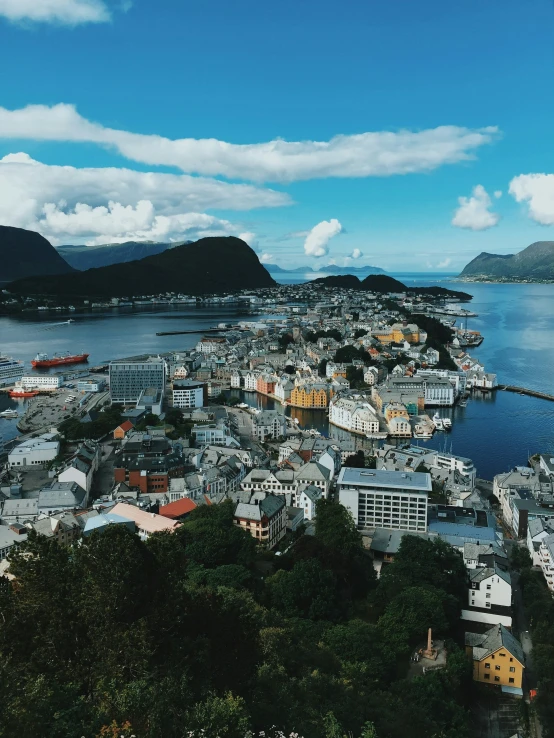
315 396
122 430
265 384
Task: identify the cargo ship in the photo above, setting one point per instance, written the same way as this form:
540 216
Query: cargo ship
43 360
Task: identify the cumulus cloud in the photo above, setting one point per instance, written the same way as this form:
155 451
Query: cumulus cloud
250 238
498 194
444 263
378 154
537 190
356 254
100 204
474 212
266 258
63 12
317 240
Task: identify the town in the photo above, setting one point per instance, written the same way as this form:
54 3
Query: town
147 442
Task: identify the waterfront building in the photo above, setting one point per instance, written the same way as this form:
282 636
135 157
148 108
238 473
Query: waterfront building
210 344
385 499
439 392
354 415
129 377
537 530
310 395
41 381
265 384
188 393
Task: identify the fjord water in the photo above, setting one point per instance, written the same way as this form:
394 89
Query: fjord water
497 431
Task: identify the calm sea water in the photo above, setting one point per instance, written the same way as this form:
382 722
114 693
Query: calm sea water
497 431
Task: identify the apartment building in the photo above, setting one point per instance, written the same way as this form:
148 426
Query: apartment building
188 393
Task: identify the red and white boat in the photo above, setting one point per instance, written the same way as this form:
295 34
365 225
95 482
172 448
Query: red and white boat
43 360
22 393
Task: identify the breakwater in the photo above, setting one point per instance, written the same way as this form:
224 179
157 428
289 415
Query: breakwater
525 391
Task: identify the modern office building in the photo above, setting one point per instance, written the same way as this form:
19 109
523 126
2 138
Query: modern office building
187 393
129 377
385 499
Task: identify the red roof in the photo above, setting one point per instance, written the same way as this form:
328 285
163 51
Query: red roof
178 508
126 426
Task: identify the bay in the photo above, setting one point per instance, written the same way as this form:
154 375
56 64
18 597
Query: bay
497 431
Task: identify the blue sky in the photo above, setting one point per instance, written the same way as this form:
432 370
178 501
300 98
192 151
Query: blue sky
456 101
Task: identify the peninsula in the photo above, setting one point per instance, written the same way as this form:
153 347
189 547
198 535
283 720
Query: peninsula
533 264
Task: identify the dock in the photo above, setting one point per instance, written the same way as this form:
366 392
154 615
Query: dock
204 331
525 391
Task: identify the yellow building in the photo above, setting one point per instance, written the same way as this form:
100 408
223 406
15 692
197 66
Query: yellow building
497 657
396 410
310 396
398 333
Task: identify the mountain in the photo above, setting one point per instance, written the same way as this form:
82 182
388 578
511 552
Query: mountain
534 262
344 281
385 284
27 254
91 257
221 264
382 283
329 269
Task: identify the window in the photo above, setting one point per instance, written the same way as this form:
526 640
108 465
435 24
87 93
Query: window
487 666
487 676
488 586
511 659
502 654
512 669
488 596
511 680
497 668
496 679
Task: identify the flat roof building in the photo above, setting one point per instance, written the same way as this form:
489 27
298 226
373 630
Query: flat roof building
129 377
385 499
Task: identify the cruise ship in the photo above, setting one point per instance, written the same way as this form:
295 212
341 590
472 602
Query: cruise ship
11 370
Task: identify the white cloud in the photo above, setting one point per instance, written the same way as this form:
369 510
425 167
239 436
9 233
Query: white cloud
317 240
444 263
65 12
379 154
266 258
537 190
356 254
498 194
474 212
109 204
250 238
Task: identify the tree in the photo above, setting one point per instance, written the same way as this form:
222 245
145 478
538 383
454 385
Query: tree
322 368
289 369
359 333
335 527
307 591
357 460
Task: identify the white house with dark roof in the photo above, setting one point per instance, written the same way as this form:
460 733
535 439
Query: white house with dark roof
489 587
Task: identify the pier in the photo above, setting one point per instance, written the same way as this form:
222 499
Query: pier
204 331
525 391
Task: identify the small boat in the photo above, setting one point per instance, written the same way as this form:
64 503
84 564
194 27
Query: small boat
22 393
438 422
9 414
447 423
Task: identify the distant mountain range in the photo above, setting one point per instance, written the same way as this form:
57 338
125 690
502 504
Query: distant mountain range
26 253
91 257
385 284
328 269
536 262
209 265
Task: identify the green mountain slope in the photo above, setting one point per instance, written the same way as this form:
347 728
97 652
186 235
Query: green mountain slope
534 262
208 265
26 253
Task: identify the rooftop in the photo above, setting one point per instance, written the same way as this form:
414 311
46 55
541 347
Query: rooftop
413 481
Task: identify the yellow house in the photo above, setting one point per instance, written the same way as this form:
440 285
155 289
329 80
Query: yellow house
405 332
498 657
396 410
309 396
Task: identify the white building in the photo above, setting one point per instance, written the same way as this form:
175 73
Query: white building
211 345
400 427
41 381
439 392
353 415
91 385
537 530
371 375
269 424
287 482
546 560
34 451
385 499
82 467
489 587
188 393
251 381
307 499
